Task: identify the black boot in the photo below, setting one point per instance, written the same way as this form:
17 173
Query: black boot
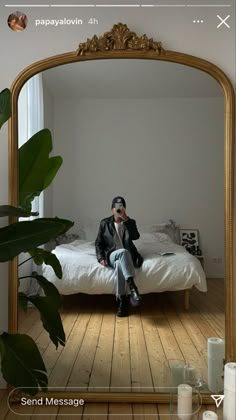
122 310
135 298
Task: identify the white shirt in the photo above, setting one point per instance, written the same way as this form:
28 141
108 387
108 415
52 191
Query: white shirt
119 234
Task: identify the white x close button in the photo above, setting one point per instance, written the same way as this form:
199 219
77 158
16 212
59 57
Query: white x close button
223 21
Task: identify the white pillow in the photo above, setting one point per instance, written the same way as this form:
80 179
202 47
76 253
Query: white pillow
148 228
168 228
66 238
155 237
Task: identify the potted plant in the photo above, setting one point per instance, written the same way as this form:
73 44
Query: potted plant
22 365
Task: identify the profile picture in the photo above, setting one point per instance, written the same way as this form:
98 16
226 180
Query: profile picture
17 21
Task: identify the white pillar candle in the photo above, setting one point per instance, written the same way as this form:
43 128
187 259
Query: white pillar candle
177 374
229 404
184 404
209 415
216 354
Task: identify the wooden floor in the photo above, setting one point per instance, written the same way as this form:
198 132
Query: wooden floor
104 352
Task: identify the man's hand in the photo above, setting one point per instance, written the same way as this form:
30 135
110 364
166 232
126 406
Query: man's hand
123 214
103 262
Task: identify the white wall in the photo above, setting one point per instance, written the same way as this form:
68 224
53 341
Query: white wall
174 27
164 155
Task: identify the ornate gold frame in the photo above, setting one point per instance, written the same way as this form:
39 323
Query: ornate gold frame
120 42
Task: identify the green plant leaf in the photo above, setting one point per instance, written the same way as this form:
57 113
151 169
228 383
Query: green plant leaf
49 289
37 255
53 166
32 156
23 236
36 169
23 301
22 364
5 106
6 210
50 318
65 223
52 260
41 256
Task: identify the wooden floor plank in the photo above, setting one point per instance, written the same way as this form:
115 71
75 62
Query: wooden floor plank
156 354
145 412
101 371
61 371
206 328
155 350
211 305
51 354
72 412
184 341
95 412
168 339
121 371
4 408
141 378
120 411
193 328
19 411
82 368
164 412
3 393
27 319
48 412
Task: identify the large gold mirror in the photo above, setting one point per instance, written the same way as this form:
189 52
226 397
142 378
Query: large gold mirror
156 126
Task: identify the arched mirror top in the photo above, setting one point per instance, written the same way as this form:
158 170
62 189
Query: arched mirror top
120 42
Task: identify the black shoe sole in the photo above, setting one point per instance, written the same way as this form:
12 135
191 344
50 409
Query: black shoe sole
122 315
135 302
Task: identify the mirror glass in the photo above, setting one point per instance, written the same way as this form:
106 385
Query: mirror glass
152 132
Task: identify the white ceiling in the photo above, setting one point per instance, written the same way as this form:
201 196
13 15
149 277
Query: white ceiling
129 79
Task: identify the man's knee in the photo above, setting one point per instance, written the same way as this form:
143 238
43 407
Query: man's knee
124 252
124 256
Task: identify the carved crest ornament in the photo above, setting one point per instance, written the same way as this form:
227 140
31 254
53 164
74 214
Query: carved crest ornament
119 38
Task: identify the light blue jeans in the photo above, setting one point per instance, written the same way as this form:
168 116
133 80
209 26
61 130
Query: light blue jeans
122 262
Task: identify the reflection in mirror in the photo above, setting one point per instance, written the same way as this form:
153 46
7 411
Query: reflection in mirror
152 132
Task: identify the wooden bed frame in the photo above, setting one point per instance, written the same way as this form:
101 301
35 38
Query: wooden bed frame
186 299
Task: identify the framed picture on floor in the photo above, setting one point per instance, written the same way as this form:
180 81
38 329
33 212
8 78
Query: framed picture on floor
189 238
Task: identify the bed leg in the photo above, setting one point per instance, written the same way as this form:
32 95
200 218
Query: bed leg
186 299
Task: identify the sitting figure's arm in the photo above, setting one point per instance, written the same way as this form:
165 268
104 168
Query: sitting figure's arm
130 224
132 229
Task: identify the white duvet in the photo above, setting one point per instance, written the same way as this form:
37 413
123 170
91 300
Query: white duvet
83 274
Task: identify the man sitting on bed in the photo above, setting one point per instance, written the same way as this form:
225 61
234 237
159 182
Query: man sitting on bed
114 248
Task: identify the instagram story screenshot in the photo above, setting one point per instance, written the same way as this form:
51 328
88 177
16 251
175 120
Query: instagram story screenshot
117 242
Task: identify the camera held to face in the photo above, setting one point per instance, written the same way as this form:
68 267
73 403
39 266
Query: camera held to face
119 207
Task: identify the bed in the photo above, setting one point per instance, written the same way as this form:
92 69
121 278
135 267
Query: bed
83 274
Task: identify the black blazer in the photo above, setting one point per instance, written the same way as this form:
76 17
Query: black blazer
104 243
